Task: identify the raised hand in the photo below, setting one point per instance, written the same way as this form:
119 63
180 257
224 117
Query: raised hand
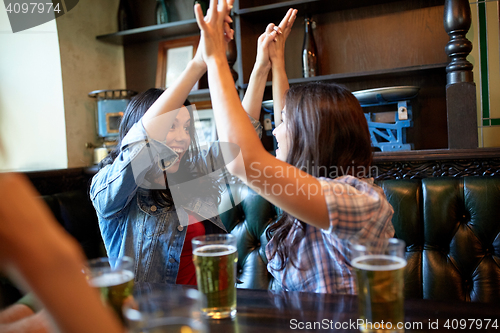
213 37
263 60
277 50
277 56
228 32
228 36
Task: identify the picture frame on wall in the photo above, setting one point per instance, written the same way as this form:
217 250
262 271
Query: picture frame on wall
173 58
205 122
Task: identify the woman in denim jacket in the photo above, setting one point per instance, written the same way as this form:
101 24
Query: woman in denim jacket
151 192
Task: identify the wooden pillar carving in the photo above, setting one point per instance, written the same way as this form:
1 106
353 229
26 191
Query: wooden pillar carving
460 88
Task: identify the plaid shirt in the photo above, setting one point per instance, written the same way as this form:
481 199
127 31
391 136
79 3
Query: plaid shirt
357 210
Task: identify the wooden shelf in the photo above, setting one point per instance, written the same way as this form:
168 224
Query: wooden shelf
362 44
266 12
436 155
393 72
199 95
154 32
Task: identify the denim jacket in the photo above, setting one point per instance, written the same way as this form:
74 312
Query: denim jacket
130 222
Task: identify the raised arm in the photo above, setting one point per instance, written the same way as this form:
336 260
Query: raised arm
36 252
252 101
257 167
277 56
269 52
158 119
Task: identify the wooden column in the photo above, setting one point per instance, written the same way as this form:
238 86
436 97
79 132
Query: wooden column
460 88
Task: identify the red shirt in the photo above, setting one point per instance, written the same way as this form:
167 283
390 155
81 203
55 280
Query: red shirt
187 272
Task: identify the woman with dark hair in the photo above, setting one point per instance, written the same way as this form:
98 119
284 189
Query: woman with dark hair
157 190
320 176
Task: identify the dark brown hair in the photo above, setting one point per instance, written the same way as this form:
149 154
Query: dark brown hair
327 137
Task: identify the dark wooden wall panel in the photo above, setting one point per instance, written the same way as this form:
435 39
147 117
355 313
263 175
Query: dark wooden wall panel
141 58
250 32
140 65
355 41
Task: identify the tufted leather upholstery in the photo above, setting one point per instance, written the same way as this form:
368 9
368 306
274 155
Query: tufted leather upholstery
248 221
451 227
74 211
452 230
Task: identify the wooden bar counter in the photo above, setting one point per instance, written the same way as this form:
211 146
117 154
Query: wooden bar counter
262 311
266 311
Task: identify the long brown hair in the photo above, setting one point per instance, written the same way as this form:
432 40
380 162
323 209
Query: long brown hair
327 137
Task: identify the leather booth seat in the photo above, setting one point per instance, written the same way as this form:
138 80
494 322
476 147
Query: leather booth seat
248 220
74 211
451 227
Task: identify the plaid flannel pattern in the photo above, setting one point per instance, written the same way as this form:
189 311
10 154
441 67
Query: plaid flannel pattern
358 210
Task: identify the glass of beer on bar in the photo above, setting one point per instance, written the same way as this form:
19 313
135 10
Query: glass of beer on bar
215 259
114 277
379 267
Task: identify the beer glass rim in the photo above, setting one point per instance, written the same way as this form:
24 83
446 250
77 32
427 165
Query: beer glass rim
99 266
214 239
363 244
387 247
101 260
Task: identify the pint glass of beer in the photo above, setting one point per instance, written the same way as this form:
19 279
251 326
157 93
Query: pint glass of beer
114 277
379 270
215 259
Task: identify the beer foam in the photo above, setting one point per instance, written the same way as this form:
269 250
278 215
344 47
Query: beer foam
228 249
400 263
112 279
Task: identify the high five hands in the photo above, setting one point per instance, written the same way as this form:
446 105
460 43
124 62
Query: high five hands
281 32
215 29
216 33
228 32
271 44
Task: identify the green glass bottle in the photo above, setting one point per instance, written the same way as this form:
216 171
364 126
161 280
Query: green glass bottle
162 14
204 5
124 16
309 50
